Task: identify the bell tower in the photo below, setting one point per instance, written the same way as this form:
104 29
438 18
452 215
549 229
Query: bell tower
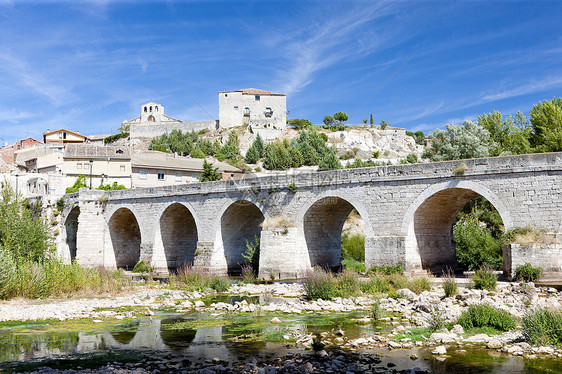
152 112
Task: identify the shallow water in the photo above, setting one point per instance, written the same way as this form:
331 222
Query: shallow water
232 337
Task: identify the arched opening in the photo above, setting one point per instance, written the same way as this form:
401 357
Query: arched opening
125 238
151 118
432 235
323 223
179 236
240 222
71 229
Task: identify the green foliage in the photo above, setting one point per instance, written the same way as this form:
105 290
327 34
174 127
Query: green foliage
197 279
231 149
508 136
114 137
387 269
175 142
210 173
353 247
78 184
292 188
252 254
309 154
354 265
328 121
276 157
475 246
449 284
377 311
546 119
543 327
252 155
420 137
485 279
297 160
457 142
330 162
320 284
60 204
371 120
22 232
142 267
383 125
483 315
197 153
527 273
341 116
419 284
412 158
299 123
111 187
358 163
8 273
248 275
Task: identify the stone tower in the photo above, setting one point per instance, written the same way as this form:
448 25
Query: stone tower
152 112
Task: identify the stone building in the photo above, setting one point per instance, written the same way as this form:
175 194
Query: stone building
252 107
7 152
153 169
106 165
63 136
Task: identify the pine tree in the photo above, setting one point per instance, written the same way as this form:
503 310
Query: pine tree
330 162
210 173
260 146
296 157
372 122
252 156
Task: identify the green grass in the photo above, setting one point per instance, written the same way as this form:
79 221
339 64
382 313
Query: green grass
197 279
354 265
483 315
485 279
528 273
543 327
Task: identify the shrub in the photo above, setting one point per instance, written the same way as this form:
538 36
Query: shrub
377 311
195 278
484 279
449 284
412 158
419 284
292 188
219 284
252 254
8 274
483 315
460 169
348 283
320 284
435 319
528 273
142 267
543 327
248 274
353 247
475 246
354 265
387 269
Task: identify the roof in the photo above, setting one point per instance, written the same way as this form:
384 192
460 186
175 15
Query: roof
98 137
255 91
68 131
161 160
96 151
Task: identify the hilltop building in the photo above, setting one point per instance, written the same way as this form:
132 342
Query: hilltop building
253 107
63 136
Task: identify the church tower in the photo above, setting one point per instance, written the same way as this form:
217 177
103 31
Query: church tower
152 113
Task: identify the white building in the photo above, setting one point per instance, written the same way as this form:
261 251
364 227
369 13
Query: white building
258 108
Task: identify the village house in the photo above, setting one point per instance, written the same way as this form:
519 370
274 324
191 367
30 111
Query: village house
153 169
63 136
252 107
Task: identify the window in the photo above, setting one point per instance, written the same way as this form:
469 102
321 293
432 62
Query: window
246 110
150 109
151 118
122 167
145 109
268 112
257 97
79 165
178 176
160 175
156 108
60 135
142 174
236 107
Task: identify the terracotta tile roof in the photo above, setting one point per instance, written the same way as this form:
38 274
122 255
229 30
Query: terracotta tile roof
255 91
95 151
68 131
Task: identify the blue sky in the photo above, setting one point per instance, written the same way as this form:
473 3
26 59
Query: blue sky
88 66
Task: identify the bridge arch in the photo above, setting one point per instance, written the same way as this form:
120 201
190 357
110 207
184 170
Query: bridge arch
176 235
70 233
321 222
124 238
428 221
238 221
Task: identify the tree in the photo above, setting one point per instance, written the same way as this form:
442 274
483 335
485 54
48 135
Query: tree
259 144
296 157
371 122
364 121
210 173
420 137
468 140
507 136
383 125
341 117
231 149
330 162
546 119
299 123
309 154
328 121
252 155
276 157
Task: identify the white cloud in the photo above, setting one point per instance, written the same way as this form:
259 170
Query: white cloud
524 89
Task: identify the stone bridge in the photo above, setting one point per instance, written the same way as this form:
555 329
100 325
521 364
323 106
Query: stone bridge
408 212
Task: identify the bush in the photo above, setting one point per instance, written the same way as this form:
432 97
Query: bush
384 283
528 273
142 267
8 274
486 316
475 246
252 254
320 284
348 283
197 279
354 265
248 274
449 284
387 269
419 284
484 279
543 327
353 247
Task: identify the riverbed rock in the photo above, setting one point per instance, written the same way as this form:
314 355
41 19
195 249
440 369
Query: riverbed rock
439 350
478 338
441 337
275 320
457 329
494 344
